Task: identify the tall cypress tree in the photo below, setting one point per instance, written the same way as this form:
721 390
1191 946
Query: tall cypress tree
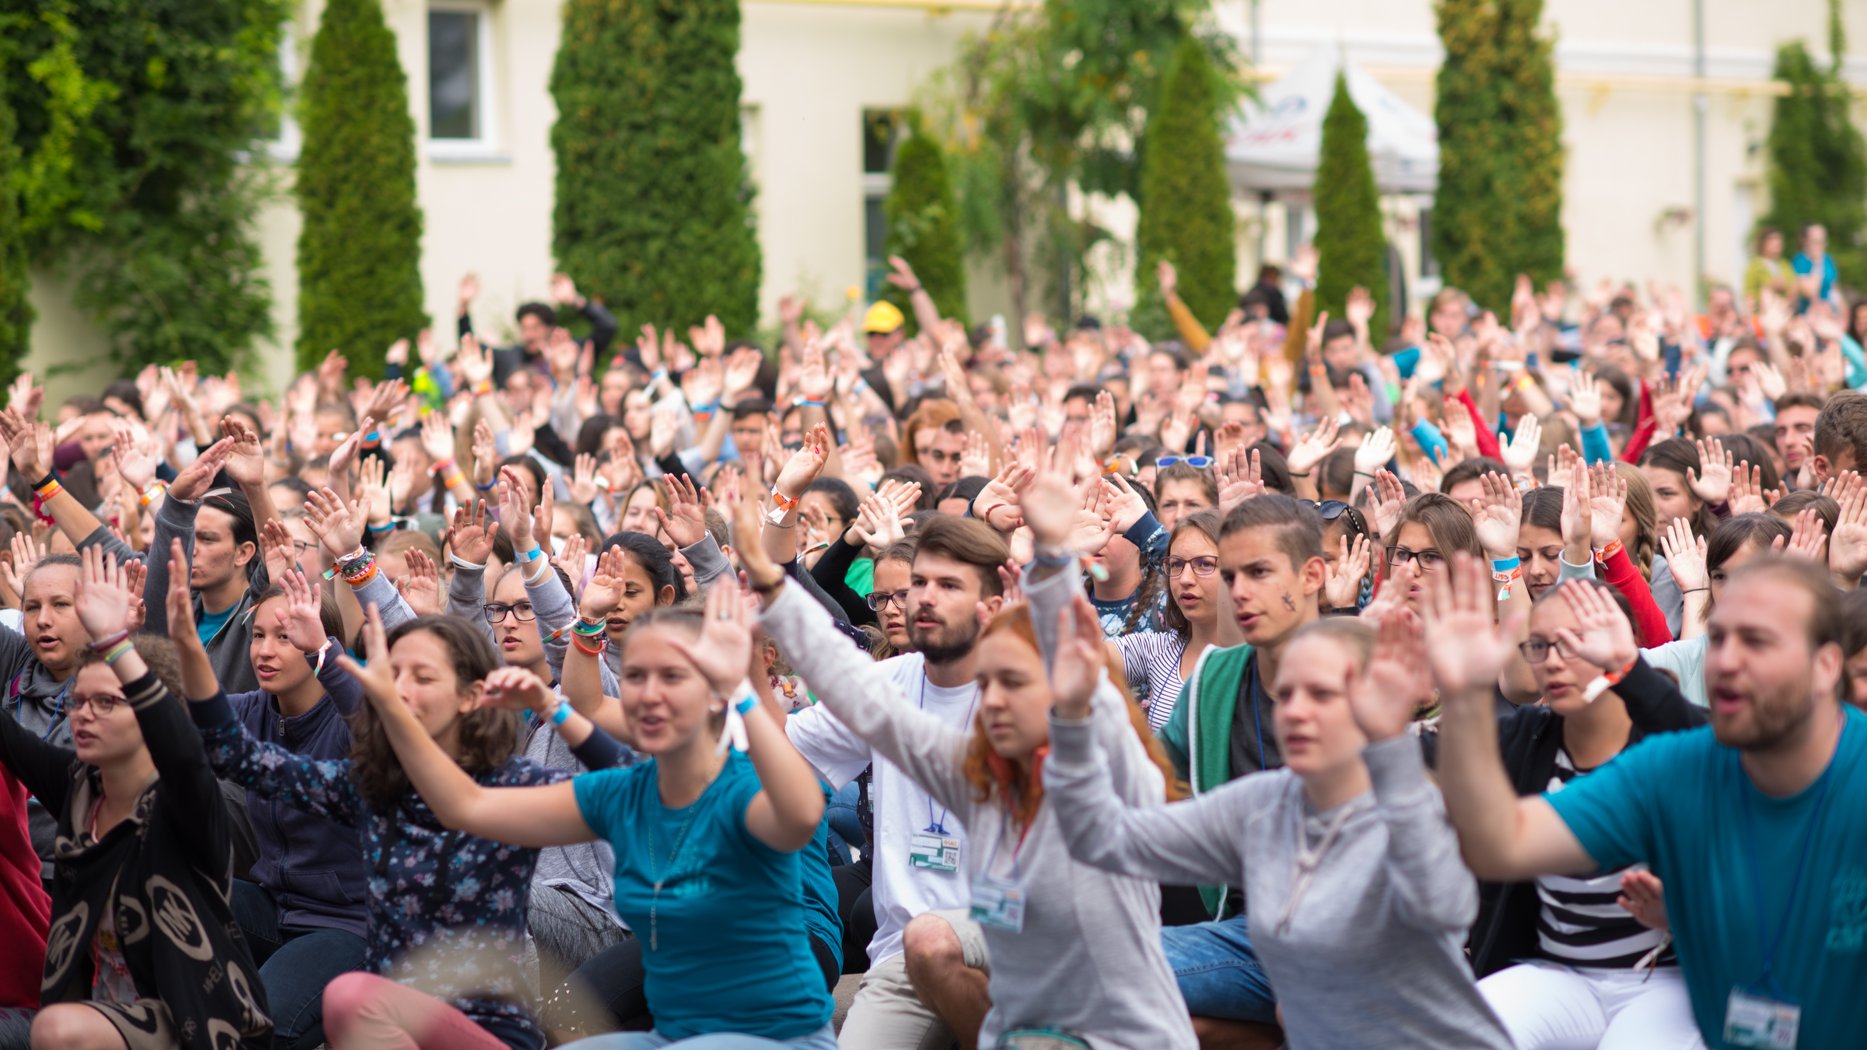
1471 222
1529 135
1349 239
653 211
1186 200
359 253
923 226
1817 167
15 309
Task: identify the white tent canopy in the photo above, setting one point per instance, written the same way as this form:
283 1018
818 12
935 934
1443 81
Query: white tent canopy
1274 144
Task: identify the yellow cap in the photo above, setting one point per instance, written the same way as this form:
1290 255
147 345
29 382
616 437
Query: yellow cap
882 318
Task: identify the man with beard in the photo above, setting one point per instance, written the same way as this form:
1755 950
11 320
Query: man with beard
953 590
1757 826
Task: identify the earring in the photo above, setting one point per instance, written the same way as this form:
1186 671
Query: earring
719 709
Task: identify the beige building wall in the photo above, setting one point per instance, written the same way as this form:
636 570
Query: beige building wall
811 67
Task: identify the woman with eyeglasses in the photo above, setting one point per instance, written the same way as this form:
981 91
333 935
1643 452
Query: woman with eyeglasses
1562 961
143 953
1158 663
894 570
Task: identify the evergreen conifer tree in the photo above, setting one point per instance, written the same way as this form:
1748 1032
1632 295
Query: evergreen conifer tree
359 252
1817 167
1349 239
923 226
1186 200
653 207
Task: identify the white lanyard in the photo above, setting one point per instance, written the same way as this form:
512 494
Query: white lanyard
1308 859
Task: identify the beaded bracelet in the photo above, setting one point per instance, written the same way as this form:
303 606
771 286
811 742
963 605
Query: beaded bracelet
363 577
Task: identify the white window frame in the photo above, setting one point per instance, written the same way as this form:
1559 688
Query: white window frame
487 144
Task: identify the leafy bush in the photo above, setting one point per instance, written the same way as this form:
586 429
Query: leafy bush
1186 196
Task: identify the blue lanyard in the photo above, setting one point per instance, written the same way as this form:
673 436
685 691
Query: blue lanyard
938 827
1768 941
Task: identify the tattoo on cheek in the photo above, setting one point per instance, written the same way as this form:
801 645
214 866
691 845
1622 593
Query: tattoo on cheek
1289 602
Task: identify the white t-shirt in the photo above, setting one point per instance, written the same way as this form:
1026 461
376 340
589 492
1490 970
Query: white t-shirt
902 810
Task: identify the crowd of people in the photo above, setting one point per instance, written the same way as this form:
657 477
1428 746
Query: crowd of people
1272 681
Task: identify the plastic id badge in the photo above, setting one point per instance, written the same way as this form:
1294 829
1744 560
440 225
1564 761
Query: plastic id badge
996 902
1753 1020
933 851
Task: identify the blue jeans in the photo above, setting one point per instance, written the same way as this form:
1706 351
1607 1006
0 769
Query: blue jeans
845 822
1218 971
822 1039
295 963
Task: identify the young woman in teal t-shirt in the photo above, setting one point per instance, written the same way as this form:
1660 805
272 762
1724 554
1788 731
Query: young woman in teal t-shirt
705 837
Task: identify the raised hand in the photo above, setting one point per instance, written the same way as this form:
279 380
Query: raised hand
1315 446
300 620
517 689
1498 515
1601 635
1397 684
801 470
1585 399
1519 453
749 544
1051 506
514 516
474 361
373 491
336 524
724 649
1343 588
603 592
1685 556
104 601
1748 496
1080 659
685 520
1241 477
346 451
1578 523
1712 481
1607 503
1458 426
26 553
572 557
877 524
179 601
471 537
1847 544
1376 450
1464 646
421 588
1807 538
437 437
1390 500
193 481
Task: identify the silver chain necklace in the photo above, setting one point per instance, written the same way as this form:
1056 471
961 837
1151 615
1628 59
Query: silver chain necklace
661 878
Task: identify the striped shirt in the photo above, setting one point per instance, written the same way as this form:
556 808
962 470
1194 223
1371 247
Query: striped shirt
1581 922
1152 660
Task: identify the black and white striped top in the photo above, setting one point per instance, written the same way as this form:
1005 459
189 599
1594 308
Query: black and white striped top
1580 923
1152 660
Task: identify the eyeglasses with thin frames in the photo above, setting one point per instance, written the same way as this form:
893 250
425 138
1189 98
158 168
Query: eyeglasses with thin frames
1204 566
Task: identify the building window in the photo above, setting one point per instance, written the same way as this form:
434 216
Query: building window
460 82
881 133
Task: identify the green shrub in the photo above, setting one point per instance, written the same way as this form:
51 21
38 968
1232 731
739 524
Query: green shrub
653 208
359 252
15 310
1186 196
1817 169
923 227
1350 242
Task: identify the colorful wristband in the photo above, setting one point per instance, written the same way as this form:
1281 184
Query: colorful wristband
560 714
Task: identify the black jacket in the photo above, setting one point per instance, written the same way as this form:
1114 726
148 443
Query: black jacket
1529 737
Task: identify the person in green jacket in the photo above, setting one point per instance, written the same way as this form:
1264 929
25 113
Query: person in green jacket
1270 557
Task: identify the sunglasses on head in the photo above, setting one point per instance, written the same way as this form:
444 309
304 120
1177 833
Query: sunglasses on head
1200 462
1331 509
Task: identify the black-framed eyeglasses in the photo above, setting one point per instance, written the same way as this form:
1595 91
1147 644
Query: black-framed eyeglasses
1199 462
1429 560
1204 566
880 598
302 546
496 611
1536 650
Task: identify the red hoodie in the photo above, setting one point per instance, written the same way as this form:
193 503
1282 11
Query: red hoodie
25 910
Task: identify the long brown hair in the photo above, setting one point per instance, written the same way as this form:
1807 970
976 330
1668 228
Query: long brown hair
488 735
1021 786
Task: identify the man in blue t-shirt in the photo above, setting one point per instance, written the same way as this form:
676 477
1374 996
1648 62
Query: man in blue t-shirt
1756 825
1815 268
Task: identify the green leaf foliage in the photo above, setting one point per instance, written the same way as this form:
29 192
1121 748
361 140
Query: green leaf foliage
1186 196
15 310
1350 242
923 227
1498 210
1817 167
359 251
654 205
133 122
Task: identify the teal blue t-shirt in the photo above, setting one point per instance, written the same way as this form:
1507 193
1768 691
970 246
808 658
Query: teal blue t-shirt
211 622
733 952
1677 801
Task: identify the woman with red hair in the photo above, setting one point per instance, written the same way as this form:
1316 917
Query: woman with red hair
1075 952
